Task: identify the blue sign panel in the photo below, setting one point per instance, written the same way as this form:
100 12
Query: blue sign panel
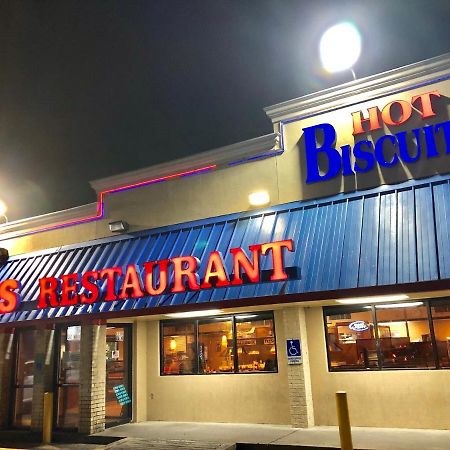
294 351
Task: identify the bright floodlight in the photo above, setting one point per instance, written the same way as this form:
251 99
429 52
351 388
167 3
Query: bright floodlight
3 208
259 198
340 47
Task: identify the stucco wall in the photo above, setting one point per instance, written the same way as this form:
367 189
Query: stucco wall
51 239
246 398
196 197
139 371
396 398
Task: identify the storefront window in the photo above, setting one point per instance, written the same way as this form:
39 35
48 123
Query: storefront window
255 343
241 343
178 349
389 336
24 378
404 334
118 383
69 377
351 340
440 313
215 341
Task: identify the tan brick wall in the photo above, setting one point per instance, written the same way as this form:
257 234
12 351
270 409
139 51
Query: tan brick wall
299 379
43 374
92 379
5 375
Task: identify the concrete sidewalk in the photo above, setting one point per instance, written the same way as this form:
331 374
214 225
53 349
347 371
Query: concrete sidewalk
363 438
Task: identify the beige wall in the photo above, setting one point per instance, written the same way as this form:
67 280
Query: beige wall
246 398
201 196
51 239
397 398
140 371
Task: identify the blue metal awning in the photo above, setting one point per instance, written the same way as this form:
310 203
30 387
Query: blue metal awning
389 235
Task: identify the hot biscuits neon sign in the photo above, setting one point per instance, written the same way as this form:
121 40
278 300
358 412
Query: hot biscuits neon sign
386 151
174 275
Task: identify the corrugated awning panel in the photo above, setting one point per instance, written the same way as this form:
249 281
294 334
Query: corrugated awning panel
380 237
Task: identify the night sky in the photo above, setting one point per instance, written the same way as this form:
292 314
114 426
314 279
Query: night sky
90 89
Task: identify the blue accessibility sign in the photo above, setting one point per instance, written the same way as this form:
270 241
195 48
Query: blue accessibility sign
294 351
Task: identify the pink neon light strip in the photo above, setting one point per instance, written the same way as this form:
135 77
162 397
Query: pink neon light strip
100 203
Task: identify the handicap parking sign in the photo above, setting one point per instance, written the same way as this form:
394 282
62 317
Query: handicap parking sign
294 351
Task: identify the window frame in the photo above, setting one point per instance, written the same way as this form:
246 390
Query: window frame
205 320
56 372
14 362
260 315
346 309
161 346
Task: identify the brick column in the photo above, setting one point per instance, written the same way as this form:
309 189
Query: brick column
299 377
43 374
6 369
92 378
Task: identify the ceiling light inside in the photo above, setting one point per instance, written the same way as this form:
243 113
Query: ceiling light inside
206 312
375 299
399 305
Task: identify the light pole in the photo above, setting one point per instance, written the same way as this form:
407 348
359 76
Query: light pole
340 47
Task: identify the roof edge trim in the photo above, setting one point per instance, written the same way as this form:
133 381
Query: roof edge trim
219 156
31 223
374 86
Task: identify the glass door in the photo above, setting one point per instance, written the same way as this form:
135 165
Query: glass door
23 378
68 380
118 375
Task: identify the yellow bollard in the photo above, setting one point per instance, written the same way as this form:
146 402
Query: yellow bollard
48 418
345 430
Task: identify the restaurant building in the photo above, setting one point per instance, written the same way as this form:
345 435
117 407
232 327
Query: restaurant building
174 297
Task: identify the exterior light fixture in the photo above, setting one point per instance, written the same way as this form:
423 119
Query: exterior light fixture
340 47
376 299
187 314
173 344
259 198
119 226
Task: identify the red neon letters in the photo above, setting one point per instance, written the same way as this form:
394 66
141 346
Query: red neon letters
9 298
183 272
421 103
